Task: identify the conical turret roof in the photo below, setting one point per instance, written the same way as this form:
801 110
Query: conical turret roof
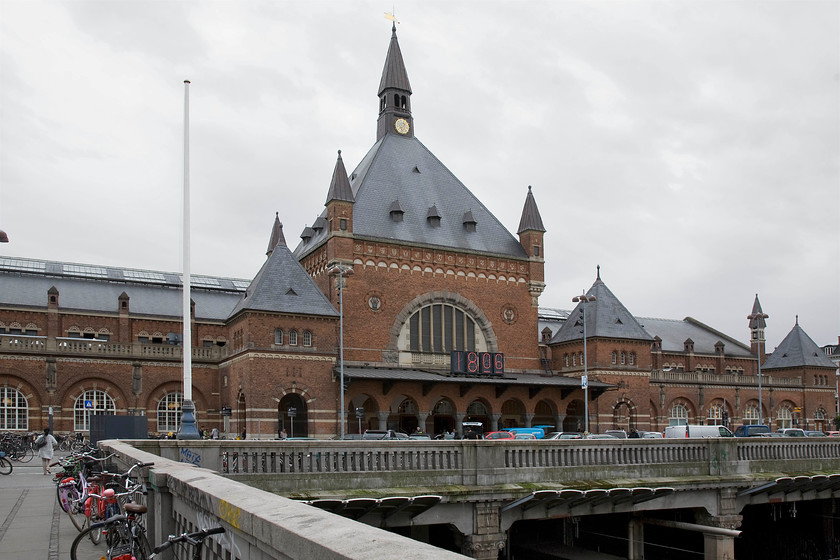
798 350
531 219
277 236
340 184
606 317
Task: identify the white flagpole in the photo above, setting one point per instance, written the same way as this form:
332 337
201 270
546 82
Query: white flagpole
188 427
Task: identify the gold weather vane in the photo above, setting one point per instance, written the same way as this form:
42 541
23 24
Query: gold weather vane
390 16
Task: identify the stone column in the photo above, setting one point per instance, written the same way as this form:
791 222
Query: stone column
494 421
719 546
487 539
421 421
635 538
459 425
383 419
529 419
558 422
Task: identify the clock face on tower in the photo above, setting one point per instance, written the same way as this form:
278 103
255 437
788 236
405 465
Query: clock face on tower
402 126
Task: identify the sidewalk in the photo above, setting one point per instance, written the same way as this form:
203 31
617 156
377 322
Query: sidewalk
32 525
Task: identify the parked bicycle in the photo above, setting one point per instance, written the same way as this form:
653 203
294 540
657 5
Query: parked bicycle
73 484
108 495
129 539
5 464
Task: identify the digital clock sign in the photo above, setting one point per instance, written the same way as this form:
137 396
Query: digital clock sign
477 363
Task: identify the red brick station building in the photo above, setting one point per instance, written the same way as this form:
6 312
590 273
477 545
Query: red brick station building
441 324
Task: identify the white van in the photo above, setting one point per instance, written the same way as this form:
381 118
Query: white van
695 431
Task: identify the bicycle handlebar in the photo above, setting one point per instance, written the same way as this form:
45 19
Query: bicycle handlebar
191 538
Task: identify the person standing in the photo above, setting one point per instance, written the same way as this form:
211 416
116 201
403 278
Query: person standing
46 451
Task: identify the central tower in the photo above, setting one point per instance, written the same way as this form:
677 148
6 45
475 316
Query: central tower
394 94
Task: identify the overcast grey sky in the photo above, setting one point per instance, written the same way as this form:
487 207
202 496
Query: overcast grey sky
690 148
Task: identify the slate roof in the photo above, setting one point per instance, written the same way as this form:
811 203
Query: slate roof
283 286
403 169
95 288
606 317
674 332
797 350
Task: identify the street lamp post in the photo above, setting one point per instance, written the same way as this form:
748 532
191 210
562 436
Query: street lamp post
584 381
759 317
341 271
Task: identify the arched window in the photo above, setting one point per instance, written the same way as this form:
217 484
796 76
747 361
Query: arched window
784 419
307 338
441 328
632 358
581 358
715 415
278 336
293 338
14 410
623 358
679 415
574 359
567 360
169 412
90 402
614 358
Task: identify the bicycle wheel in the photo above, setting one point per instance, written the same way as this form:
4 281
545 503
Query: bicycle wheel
5 466
95 532
71 502
82 548
25 455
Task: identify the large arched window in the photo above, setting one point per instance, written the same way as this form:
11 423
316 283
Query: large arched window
14 410
784 419
679 415
90 402
441 328
169 412
715 415
751 415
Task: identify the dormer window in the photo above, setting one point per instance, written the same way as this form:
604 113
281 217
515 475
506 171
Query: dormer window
469 221
433 216
320 223
396 211
307 234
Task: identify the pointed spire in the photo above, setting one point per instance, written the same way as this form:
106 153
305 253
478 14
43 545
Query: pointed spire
277 237
598 273
530 219
757 316
394 75
340 184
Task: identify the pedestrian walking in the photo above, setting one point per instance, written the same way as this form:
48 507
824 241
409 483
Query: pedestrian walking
47 449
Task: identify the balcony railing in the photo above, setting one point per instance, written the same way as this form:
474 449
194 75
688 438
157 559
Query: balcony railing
26 344
697 377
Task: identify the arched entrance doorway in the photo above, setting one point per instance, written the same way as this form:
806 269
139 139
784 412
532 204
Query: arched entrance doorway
443 418
573 422
292 416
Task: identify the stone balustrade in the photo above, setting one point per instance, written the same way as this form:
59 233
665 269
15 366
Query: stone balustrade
25 344
306 468
697 377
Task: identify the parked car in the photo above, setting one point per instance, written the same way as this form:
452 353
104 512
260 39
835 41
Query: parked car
833 433
696 431
498 435
792 432
552 435
650 435
815 433
524 435
420 436
600 436
751 430
620 434
383 434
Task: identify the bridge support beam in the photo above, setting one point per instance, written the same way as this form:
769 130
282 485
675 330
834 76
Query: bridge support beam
487 539
636 538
